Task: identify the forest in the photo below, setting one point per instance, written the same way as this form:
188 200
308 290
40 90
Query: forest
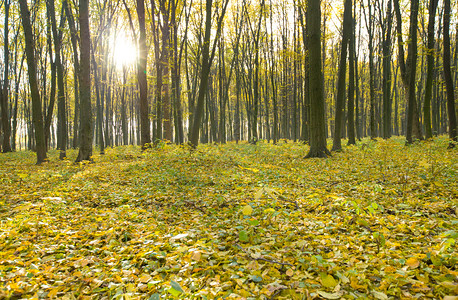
228 149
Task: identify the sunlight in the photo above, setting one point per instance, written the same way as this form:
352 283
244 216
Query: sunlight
124 50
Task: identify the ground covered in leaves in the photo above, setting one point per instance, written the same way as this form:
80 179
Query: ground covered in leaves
378 221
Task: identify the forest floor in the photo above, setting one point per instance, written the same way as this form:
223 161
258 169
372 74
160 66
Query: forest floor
375 221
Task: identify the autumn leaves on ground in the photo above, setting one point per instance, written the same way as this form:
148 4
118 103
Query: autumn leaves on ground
378 221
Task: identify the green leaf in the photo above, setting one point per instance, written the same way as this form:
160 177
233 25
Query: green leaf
243 236
254 222
256 278
325 295
176 286
328 280
379 295
155 296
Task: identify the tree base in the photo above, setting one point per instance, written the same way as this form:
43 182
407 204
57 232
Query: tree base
319 153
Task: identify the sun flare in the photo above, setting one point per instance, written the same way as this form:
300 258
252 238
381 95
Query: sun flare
124 50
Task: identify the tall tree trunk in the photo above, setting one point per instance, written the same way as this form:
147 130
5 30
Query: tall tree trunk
317 124
452 130
85 150
166 105
386 83
370 28
207 59
145 139
412 112
61 111
430 69
36 102
6 123
351 87
340 99
408 69
74 41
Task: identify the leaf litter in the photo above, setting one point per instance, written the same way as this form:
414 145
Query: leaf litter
377 221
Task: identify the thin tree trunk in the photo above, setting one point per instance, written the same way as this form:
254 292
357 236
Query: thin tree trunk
340 99
207 58
430 69
36 102
386 83
85 150
6 123
351 87
452 130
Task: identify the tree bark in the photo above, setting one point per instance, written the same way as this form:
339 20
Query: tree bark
6 123
452 130
340 99
61 111
386 82
145 138
430 69
37 117
74 41
317 124
85 150
205 71
351 87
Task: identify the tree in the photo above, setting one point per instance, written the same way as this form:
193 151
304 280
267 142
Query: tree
452 130
386 84
85 150
370 29
351 87
61 109
207 59
141 75
5 116
409 69
317 125
340 100
37 117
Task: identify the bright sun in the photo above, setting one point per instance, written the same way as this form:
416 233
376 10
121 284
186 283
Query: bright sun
124 50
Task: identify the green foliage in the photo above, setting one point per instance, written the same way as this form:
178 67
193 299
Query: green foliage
232 221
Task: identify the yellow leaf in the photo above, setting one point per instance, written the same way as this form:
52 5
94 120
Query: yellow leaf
247 210
328 280
53 293
413 263
290 272
269 210
145 278
258 194
196 255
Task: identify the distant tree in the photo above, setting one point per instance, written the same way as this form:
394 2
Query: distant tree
317 125
452 130
85 150
37 117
